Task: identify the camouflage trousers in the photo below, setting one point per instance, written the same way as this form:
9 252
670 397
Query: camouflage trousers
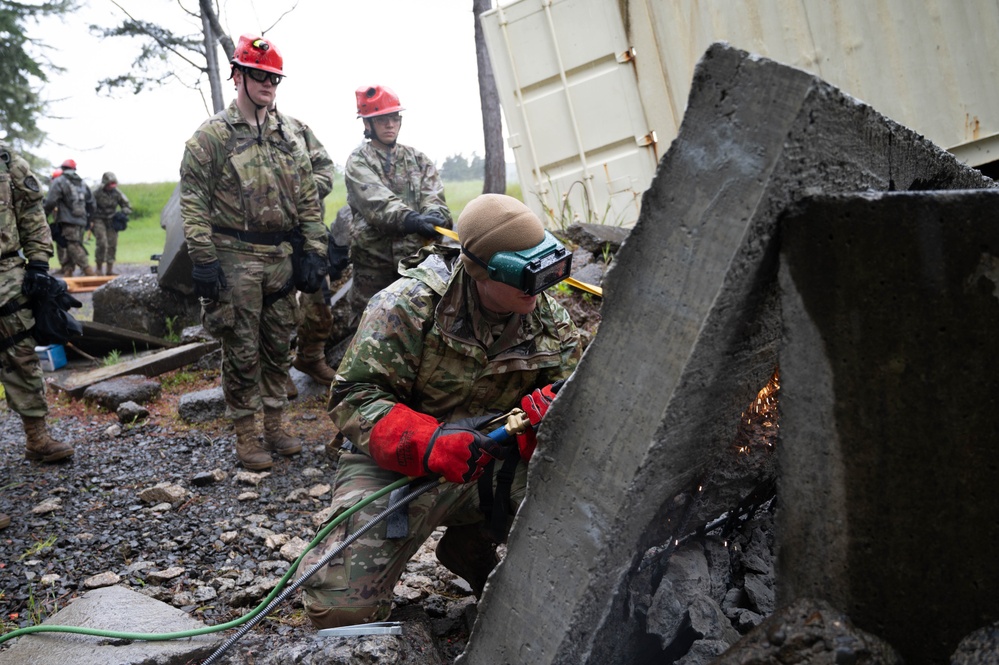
255 335
106 239
366 282
317 322
76 253
20 370
357 586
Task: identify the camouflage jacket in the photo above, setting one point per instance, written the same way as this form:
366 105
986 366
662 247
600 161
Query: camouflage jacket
22 220
323 169
424 342
73 199
231 179
107 201
382 188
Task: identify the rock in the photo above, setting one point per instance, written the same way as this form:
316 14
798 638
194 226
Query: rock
101 580
136 302
293 549
161 576
597 238
206 478
809 631
251 478
317 491
112 393
163 493
113 432
979 648
130 412
115 608
47 506
248 496
201 405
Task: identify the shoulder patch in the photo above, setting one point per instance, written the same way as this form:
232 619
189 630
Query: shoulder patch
31 183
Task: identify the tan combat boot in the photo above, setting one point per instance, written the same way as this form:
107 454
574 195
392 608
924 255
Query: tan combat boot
311 360
248 448
290 388
110 270
41 446
275 438
88 271
4 520
67 271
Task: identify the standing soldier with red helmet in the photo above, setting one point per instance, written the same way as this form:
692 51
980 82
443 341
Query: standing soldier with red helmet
395 194
254 233
70 197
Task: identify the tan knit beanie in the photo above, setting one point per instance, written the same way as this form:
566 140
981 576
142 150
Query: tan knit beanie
493 223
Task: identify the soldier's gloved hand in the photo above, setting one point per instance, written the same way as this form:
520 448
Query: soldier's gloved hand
535 405
208 280
339 258
312 272
413 443
422 225
36 280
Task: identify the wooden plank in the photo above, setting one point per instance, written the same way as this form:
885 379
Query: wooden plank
153 364
86 283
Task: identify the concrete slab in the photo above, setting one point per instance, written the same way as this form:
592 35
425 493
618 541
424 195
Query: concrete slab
118 609
889 510
689 334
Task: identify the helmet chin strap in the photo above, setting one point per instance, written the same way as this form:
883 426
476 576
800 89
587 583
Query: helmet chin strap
260 129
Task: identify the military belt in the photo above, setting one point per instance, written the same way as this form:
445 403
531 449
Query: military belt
253 237
9 255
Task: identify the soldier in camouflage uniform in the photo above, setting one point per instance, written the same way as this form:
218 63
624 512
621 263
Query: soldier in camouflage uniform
246 190
444 344
107 200
395 194
74 205
316 320
23 227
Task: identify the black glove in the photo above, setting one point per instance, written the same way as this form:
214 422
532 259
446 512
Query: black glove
421 224
339 258
312 272
36 280
208 279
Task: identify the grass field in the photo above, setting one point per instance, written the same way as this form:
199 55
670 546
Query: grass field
144 237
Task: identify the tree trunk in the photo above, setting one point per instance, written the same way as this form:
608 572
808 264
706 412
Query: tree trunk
492 123
212 61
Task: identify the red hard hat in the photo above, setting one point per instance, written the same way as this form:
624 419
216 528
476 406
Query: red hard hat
258 53
69 164
376 100
56 173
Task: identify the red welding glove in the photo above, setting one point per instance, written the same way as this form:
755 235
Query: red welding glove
413 443
535 405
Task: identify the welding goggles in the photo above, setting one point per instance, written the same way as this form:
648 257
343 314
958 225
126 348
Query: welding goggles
531 270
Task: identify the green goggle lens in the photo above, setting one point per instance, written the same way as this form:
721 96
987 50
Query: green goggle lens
535 269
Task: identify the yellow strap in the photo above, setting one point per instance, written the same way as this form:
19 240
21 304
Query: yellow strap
583 286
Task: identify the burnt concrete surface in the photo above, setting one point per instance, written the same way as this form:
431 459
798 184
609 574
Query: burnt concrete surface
690 333
888 431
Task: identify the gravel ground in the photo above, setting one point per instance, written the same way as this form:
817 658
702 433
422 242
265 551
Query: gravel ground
215 553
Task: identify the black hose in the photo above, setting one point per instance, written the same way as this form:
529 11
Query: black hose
329 556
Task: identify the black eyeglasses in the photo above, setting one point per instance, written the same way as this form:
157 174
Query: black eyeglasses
391 118
260 75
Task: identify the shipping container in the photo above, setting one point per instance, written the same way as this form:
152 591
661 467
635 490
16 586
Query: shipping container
593 91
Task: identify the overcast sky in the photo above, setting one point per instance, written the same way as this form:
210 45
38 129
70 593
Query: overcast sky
423 49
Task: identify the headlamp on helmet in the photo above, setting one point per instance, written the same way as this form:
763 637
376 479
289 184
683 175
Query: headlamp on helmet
531 270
